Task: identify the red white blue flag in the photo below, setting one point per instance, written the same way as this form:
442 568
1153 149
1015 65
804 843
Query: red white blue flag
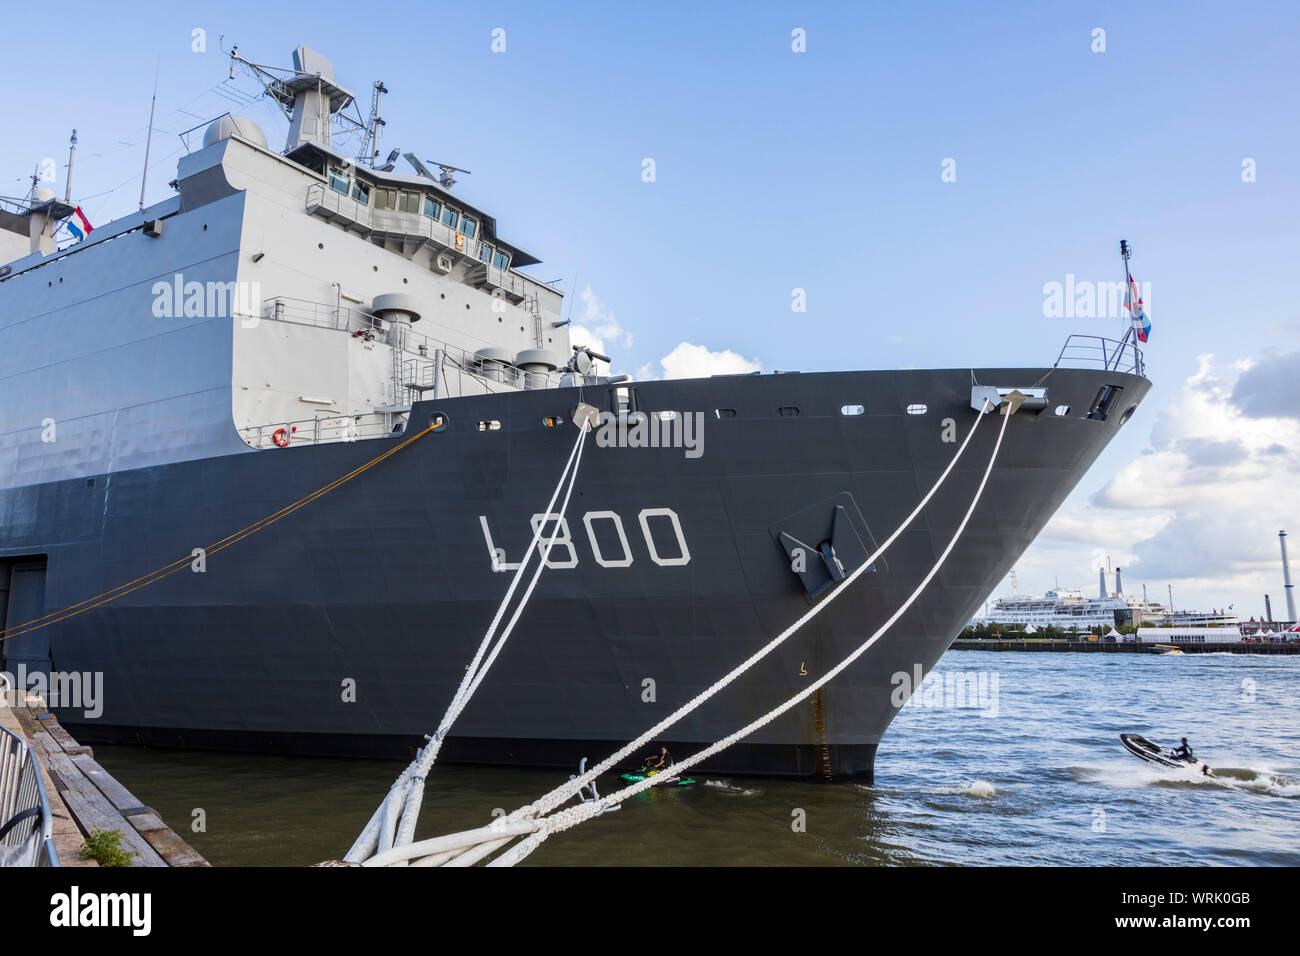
1133 302
79 225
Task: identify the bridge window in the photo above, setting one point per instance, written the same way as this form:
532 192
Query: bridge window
339 180
484 252
468 226
409 202
432 208
450 217
385 198
361 192
501 260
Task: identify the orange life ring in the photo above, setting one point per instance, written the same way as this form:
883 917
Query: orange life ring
281 437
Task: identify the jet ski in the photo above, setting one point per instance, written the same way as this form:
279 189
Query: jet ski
1166 756
636 776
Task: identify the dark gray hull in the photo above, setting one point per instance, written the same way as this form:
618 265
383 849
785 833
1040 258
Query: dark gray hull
388 582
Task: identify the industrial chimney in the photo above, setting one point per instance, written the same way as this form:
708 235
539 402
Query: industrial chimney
1287 587
1119 583
1101 577
1268 610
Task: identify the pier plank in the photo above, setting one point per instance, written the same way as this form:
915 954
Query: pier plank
94 811
85 797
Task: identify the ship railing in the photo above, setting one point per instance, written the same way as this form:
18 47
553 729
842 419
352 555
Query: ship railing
319 430
410 343
330 204
1095 351
26 825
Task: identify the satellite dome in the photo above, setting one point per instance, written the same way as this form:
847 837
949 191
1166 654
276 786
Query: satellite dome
226 126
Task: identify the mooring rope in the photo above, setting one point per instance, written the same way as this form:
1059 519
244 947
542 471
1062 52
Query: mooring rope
539 817
405 796
106 597
572 816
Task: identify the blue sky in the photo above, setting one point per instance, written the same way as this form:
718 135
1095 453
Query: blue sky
820 170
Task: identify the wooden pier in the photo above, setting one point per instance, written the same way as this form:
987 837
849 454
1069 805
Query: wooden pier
84 797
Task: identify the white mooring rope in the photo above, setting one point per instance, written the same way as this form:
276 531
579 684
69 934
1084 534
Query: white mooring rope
539 818
406 794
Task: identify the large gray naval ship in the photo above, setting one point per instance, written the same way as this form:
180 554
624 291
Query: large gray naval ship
287 317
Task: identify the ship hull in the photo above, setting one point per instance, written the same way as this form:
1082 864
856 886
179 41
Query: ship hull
345 626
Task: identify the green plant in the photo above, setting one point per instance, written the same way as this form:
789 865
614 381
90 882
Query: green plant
103 847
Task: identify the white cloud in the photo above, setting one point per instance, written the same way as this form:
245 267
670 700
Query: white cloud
1201 507
597 328
688 360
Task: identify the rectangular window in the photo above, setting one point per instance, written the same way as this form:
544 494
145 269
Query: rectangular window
484 252
338 181
449 217
408 202
432 208
361 192
468 226
385 198
501 260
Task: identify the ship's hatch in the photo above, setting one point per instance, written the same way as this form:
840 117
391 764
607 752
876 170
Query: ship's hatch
22 599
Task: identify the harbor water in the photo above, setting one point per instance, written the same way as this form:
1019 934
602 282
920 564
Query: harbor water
1001 759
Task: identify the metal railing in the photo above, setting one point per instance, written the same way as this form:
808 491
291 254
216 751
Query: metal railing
26 826
329 203
315 431
1095 351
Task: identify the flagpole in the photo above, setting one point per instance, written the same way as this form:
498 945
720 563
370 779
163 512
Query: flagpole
1125 252
144 176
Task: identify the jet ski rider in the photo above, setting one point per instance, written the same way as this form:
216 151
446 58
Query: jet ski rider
662 760
1185 752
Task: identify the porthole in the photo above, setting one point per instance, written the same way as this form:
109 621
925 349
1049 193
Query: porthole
917 409
1062 410
851 409
724 413
320 245
788 411
665 416
438 421
492 426
550 421
1128 414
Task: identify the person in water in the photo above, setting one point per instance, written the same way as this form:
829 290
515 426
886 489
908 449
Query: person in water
1185 752
659 761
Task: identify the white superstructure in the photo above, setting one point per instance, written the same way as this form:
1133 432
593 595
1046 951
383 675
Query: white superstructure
294 296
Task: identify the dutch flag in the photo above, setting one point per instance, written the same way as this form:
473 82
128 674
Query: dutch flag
79 225
1133 302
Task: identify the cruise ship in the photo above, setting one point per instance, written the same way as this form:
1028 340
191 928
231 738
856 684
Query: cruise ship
296 319
1067 609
